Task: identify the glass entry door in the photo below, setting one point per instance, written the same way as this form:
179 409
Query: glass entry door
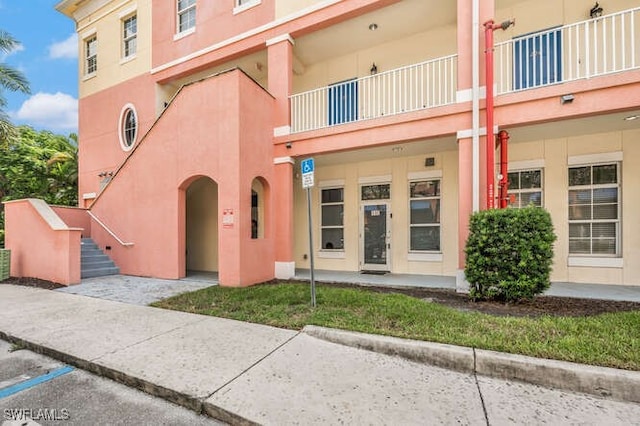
375 237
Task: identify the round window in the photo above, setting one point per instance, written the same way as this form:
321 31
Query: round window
128 127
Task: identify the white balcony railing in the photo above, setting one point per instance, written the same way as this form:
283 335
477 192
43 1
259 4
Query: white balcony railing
599 46
425 85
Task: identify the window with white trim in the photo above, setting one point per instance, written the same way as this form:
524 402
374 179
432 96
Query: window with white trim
424 215
594 210
186 15
129 36
91 55
332 218
525 188
128 127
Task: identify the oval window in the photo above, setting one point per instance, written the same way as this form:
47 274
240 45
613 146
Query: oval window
128 127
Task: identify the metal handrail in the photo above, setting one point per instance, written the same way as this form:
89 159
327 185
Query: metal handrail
109 231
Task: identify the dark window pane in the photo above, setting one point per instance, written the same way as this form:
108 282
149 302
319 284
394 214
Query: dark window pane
332 215
605 211
579 230
605 195
579 246
332 239
425 211
376 192
425 238
579 212
604 246
579 176
604 230
332 195
605 174
531 198
514 180
577 197
427 188
531 179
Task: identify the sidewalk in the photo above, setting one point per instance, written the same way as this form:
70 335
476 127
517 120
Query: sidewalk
247 373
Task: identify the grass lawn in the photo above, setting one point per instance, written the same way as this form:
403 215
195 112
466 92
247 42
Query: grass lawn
611 340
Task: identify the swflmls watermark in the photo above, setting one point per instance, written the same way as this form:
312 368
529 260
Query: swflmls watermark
46 414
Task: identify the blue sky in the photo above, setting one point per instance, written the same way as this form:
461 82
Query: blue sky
49 59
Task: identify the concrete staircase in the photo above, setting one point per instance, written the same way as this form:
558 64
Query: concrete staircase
93 262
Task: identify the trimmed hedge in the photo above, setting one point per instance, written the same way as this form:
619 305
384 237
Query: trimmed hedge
509 253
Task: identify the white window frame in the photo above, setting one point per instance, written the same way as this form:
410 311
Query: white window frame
520 191
242 5
133 37
323 227
90 60
438 224
122 129
591 221
182 32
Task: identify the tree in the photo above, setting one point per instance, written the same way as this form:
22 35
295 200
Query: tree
39 164
10 79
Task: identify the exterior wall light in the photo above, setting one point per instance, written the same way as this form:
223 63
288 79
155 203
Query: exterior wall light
374 69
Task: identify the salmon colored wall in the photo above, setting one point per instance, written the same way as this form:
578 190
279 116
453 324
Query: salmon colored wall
200 59
75 218
41 245
99 114
215 22
145 202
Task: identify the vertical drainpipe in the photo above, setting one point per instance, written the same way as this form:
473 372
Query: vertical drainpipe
489 28
475 89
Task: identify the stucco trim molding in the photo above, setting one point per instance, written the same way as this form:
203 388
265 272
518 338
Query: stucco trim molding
604 157
285 270
375 179
284 160
281 131
331 254
280 38
596 262
424 257
427 174
526 164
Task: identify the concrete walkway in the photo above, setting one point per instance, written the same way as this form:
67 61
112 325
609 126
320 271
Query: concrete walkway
244 373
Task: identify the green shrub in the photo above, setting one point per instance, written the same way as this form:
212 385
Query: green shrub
509 253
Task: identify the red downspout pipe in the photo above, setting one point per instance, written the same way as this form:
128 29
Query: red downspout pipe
489 28
503 140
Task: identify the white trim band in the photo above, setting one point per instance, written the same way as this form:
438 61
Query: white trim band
526 164
281 38
424 257
596 262
281 131
427 174
375 179
605 157
283 160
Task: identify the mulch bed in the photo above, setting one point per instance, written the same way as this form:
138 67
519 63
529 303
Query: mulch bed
541 305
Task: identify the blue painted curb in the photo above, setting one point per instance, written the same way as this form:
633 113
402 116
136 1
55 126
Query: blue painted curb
18 387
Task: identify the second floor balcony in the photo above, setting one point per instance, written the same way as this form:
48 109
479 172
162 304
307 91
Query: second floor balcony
419 86
588 49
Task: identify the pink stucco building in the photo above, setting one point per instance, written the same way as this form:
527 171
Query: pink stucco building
195 116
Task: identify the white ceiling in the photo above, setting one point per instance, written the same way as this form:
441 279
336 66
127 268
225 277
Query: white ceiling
394 22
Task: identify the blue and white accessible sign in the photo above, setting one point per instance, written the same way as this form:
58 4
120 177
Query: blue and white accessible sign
307 167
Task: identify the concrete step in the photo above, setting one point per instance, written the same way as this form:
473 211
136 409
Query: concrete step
93 261
99 272
97 263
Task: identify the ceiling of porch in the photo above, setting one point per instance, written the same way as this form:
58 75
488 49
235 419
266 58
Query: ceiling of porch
393 22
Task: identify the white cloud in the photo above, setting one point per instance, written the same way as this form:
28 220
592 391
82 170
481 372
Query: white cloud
65 49
57 111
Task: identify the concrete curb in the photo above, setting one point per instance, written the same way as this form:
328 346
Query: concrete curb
610 383
190 402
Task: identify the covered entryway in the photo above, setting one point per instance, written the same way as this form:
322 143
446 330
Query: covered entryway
202 227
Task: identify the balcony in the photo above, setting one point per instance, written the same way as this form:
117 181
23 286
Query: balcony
415 87
596 47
